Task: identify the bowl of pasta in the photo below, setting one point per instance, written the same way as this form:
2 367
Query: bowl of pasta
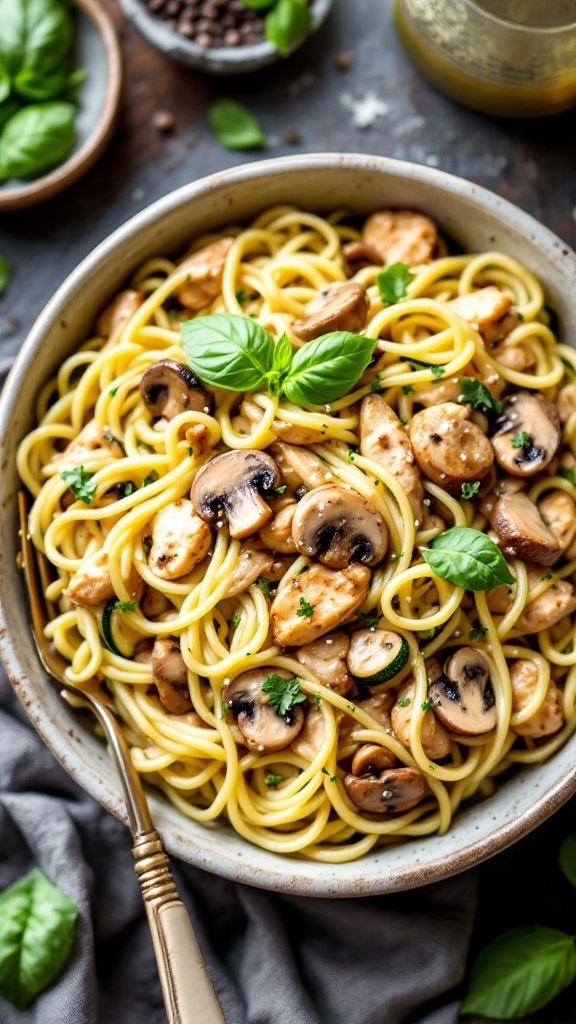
299 444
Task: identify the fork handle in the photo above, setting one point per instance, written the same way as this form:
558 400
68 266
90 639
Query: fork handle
189 996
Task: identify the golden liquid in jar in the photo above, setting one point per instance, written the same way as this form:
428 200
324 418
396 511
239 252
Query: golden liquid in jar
507 99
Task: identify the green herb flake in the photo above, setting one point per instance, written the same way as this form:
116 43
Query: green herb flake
280 490
128 488
150 479
125 606
351 454
427 705
437 371
305 609
112 392
241 297
403 421
396 555
190 450
478 632
305 568
317 699
476 394
375 385
272 780
407 389
521 440
393 283
568 474
326 772
264 585
225 710
235 620
418 364
80 483
547 576
371 620
5 272
351 709
283 694
404 702
469 491
235 126
429 634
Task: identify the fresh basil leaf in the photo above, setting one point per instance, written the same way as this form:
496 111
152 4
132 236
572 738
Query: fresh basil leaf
5 272
520 972
476 394
36 36
234 126
287 23
34 86
282 363
5 83
36 933
393 282
228 351
467 558
326 368
35 139
7 110
567 859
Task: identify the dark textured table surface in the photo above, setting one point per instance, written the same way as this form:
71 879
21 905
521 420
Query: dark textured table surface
531 163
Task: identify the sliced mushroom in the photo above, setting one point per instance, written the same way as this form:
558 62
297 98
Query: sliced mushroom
357 255
490 311
263 730
203 281
449 448
401 236
92 443
119 312
433 736
338 526
301 469
340 307
326 658
91 583
463 699
392 791
171 675
180 540
522 530
229 487
251 564
558 510
376 655
549 717
383 439
315 602
277 535
527 434
169 388
371 758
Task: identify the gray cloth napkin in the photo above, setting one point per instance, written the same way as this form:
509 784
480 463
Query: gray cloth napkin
274 959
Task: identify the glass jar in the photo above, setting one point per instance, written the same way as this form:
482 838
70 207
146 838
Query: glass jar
516 58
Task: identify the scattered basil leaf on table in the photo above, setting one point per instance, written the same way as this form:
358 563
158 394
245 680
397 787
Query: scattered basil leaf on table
567 859
234 126
287 23
393 282
519 972
37 923
468 558
283 694
5 271
326 368
35 139
476 394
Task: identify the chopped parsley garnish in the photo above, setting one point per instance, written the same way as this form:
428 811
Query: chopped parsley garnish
283 694
125 606
396 555
80 483
281 489
235 619
350 455
371 620
305 609
407 389
417 364
190 450
112 392
476 394
547 576
272 780
427 705
351 708
521 440
429 634
225 710
470 490
478 632
128 488
404 702
568 474
316 699
150 479
393 283
375 385
241 297
403 421
326 772
264 585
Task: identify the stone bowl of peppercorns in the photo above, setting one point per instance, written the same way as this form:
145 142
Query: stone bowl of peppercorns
226 37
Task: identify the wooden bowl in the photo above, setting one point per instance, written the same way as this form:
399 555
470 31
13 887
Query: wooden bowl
97 50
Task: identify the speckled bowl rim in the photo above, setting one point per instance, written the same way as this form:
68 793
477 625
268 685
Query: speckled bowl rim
219 60
474 836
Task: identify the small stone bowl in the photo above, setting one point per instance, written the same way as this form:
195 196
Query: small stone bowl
96 49
217 60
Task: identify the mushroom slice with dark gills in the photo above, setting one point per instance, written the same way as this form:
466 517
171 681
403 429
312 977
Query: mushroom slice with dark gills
463 698
376 655
527 434
229 488
522 530
170 675
263 729
338 526
340 307
378 789
169 387
326 658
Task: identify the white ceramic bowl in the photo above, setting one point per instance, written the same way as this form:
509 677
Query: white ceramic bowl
479 221
216 60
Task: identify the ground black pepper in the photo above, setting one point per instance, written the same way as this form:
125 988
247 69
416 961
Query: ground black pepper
211 22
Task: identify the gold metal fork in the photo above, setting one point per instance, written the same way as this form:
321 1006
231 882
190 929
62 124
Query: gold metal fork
189 997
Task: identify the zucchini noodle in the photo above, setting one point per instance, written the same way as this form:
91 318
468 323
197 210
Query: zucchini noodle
94 422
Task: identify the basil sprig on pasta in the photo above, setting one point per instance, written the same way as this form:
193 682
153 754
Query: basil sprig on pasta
468 558
236 353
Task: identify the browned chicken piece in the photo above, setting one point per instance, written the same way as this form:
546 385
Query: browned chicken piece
251 413
542 612
311 736
92 442
340 307
91 583
197 438
489 311
437 394
558 510
449 448
171 675
203 281
277 535
383 439
250 566
315 602
326 658
435 739
180 539
401 236
302 470
566 402
517 358
118 313
154 603
549 717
